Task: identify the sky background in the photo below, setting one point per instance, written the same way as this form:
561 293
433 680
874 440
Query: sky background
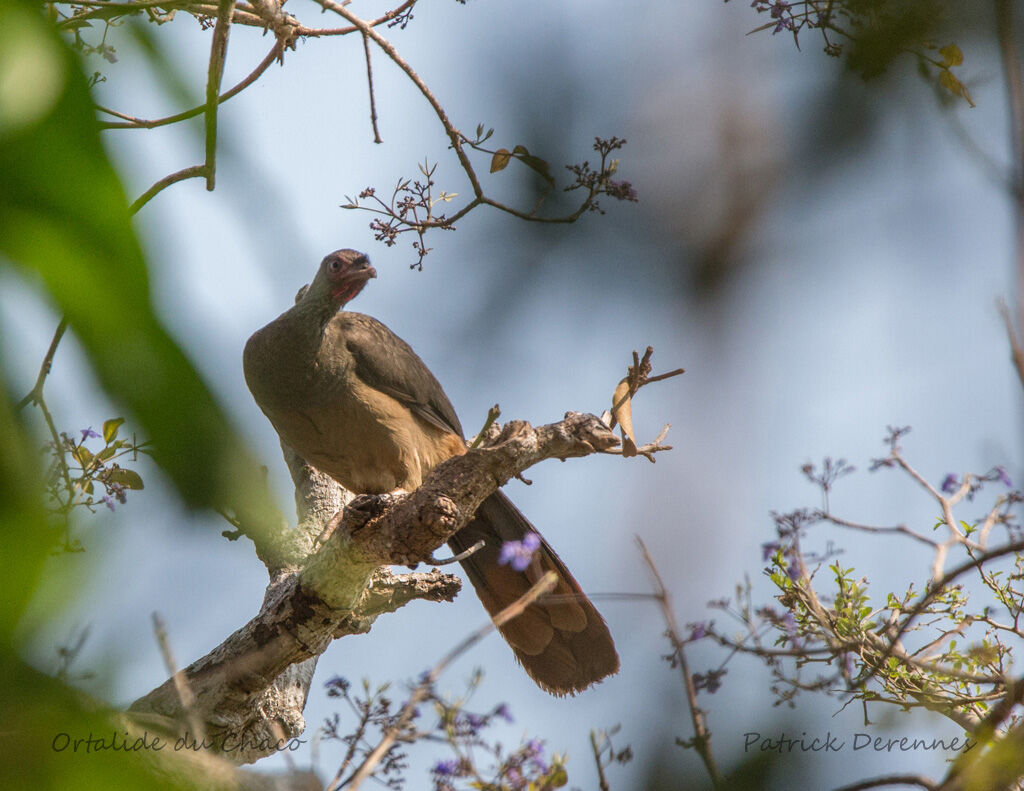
857 292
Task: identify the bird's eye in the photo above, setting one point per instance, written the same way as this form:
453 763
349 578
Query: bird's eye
335 265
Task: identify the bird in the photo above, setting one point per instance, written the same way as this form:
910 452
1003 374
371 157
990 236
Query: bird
355 401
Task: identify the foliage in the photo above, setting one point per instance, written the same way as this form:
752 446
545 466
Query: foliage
478 760
873 34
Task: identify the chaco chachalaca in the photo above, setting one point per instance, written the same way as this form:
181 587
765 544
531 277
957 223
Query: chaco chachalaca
354 400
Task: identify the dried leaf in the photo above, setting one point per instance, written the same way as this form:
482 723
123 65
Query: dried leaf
500 159
622 411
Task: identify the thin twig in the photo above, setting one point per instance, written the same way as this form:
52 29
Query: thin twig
369 80
181 686
701 734
218 54
492 414
1018 352
196 171
602 781
276 52
459 557
892 780
900 529
545 584
35 395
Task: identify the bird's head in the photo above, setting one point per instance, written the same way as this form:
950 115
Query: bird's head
342 275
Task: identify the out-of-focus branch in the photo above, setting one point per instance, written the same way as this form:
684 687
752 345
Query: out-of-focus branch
35 395
215 73
701 735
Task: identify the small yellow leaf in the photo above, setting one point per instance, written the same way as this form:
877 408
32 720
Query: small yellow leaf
110 428
500 159
622 411
952 55
948 81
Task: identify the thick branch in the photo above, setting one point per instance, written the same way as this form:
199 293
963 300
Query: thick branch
253 685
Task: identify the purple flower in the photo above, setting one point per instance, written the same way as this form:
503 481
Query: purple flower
117 490
503 712
515 778
768 549
88 432
518 554
107 501
622 190
698 630
337 686
474 722
1001 475
950 484
448 768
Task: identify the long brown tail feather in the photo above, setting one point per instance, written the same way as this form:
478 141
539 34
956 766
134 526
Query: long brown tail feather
562 643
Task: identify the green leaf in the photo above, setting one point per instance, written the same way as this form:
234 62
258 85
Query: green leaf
64 222
952 55
110 428
83 456
500 159
129 479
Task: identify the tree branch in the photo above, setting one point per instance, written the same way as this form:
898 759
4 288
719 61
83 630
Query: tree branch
254 684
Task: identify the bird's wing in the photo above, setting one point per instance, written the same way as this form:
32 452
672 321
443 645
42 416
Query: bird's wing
387 363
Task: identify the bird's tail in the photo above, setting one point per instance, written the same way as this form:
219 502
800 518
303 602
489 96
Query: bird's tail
561 641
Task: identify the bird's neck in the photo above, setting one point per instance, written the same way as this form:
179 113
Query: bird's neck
313 315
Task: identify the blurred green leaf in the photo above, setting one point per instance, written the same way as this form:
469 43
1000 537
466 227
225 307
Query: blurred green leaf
64 218
83 455
949 81
110 428
127 478
952 55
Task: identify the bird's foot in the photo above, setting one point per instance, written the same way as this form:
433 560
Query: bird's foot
367 507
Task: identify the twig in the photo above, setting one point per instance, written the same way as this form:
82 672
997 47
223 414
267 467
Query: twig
1015 347
602 781
196 171
459 557
218 54
701 735
130 122
35 395
892 780
492 414
545 584
369 80
185 695
900 529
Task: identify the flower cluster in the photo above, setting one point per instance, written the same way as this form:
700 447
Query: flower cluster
83 473
476 761
519 554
